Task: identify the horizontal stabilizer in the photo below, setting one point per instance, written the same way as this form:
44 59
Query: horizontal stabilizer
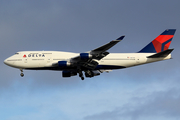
161 54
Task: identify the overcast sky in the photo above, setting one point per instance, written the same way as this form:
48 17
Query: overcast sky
146 92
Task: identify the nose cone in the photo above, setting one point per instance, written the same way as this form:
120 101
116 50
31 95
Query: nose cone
6 62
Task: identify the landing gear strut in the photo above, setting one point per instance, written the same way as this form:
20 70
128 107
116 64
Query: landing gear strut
80 74
22 74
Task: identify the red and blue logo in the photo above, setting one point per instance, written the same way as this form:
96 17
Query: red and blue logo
161 43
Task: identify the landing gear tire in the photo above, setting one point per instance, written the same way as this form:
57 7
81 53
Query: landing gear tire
82 78
22 75
80 73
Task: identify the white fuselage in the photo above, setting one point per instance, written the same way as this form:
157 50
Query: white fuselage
46 59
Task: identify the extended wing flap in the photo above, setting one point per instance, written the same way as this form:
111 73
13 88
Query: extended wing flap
89 64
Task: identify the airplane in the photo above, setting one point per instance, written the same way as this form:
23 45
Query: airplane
93 62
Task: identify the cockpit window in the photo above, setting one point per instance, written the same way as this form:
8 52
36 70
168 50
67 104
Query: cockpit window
16 53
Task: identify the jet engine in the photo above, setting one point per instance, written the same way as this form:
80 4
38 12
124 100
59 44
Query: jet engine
85 56
68 73
64 63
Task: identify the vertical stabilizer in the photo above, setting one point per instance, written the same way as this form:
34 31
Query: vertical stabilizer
161 43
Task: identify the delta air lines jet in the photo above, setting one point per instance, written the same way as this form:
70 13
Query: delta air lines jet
94 62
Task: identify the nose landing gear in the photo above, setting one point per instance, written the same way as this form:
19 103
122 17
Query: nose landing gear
22 74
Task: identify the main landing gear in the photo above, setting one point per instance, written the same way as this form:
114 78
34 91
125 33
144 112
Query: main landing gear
22 74
80 73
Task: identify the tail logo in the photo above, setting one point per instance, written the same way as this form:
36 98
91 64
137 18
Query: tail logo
161 43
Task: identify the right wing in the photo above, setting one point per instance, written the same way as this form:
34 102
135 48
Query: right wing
99 52
87 60
105 47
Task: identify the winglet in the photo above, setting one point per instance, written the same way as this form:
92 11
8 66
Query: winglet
120 38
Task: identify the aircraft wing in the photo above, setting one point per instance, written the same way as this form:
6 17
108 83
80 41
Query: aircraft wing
88 59
107 46
99 52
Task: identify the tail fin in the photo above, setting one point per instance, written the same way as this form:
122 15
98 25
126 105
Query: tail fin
161 43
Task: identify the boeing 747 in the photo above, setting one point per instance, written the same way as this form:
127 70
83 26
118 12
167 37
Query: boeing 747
93 62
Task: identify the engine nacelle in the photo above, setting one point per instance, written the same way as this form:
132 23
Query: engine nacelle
68 73
85 56
63 64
